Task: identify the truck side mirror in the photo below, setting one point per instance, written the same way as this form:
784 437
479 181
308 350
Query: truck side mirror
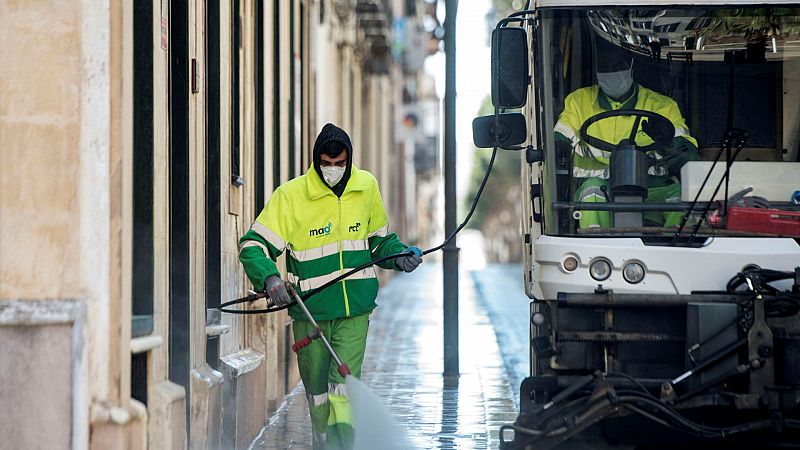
508 130
509 67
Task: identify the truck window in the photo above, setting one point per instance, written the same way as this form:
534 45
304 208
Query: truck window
637 104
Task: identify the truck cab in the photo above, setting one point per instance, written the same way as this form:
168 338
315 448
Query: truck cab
661 224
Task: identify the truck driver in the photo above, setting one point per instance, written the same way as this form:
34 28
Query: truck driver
615 90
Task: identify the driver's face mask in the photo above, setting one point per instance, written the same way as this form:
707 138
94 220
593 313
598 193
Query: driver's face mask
616 84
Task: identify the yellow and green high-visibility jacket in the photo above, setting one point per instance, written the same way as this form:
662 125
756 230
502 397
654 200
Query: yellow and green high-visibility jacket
590 162
325 236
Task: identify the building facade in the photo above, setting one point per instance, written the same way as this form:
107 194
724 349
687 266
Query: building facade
138 142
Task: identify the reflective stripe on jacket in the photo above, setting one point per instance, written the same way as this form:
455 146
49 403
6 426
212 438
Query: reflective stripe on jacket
584 103
324 236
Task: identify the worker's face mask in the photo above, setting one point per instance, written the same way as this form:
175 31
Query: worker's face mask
616 84
332 174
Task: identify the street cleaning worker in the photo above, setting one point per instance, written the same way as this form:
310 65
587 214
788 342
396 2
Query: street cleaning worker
329 220
616 89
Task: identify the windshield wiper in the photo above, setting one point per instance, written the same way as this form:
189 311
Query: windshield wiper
740 137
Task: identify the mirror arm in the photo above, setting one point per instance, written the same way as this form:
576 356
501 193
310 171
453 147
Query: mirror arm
497 130
519 16
533 155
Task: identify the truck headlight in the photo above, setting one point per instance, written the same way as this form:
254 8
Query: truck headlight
600 269
570 263
633 272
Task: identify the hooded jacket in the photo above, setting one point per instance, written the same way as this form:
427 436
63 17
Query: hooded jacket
324 235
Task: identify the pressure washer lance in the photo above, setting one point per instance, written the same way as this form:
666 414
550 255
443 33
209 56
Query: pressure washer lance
317 333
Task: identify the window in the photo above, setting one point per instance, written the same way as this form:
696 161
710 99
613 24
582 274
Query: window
179 338
732 80
236 41
142 295
142 264
292 90
276 95
258 75
213 242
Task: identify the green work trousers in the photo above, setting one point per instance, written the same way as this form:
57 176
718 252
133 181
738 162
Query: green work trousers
331 417
590 191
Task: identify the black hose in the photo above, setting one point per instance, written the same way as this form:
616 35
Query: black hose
305 296
684 423
558 411
691 426
783 305
657 412
777 303
765 276
629 378
471 208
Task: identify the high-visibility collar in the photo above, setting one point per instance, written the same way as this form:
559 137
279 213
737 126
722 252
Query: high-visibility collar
318 189
609 104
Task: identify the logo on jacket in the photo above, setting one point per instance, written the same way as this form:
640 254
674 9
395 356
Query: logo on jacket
324 231
354 228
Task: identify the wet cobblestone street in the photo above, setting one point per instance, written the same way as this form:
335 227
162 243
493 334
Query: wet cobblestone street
403 366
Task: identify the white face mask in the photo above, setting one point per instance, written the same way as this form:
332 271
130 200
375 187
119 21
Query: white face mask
615 84
332 174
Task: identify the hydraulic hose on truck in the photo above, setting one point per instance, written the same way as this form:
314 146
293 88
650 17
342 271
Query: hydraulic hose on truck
225 307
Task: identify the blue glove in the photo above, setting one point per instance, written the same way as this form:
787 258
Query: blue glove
410 262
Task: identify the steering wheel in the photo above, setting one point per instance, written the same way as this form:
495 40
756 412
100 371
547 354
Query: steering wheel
661 123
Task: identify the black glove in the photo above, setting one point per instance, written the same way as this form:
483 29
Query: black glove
752 201
410 262
276 289
658 131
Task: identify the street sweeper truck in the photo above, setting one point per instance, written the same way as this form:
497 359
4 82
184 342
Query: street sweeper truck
661 225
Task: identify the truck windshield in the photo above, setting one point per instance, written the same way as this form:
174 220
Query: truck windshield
635 105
